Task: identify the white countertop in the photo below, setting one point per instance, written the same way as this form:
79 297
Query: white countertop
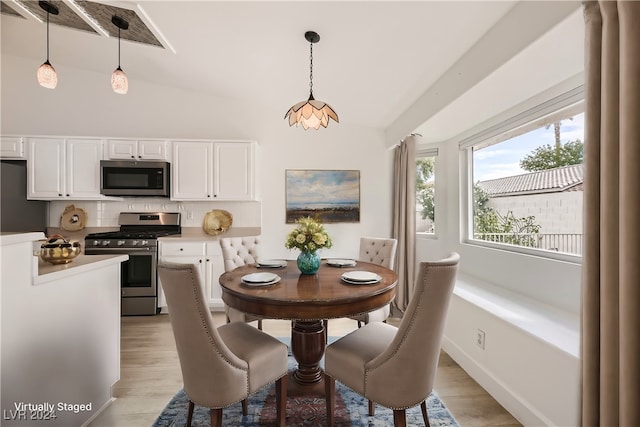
49 272
14 238
198 234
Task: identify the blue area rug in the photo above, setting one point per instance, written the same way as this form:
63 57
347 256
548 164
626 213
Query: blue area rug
307 411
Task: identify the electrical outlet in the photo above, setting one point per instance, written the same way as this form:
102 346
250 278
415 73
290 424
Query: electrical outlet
480 338
189 214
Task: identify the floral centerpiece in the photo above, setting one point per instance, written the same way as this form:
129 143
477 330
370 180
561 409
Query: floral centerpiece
308 237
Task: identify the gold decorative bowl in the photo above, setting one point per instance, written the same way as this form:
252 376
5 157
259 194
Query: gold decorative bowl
58 250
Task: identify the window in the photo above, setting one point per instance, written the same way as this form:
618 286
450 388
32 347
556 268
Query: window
526 182
425 191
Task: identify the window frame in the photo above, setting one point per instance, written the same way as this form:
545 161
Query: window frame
430 150
571 101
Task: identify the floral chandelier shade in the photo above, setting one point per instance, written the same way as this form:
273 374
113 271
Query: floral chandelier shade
46 74
119 81
311 113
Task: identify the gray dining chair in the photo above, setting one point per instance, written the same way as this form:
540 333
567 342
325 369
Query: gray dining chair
396 367
379 251
220 366
236 252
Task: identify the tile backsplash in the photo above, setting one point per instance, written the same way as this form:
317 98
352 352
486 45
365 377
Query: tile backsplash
106 213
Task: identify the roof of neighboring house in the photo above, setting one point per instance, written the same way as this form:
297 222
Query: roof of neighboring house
565 178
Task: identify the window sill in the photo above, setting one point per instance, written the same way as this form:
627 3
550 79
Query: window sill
552 325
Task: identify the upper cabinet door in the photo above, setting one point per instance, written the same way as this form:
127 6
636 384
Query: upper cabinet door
122 149
191 170
152 149
83 168
45 167
234 171
133 149
11 147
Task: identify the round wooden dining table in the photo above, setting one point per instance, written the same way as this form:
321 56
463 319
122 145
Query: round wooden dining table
308 300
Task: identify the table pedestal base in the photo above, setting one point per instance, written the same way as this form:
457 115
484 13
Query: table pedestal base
308 340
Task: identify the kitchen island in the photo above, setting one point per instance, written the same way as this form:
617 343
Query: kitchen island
60 334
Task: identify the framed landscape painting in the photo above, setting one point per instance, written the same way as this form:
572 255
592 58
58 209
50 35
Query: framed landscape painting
328 195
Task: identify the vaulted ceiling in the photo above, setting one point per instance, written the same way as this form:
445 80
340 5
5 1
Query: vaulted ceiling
458 61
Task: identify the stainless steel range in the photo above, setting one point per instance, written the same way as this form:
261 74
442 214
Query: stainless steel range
138 238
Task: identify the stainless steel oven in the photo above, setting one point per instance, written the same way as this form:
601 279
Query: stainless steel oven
138 238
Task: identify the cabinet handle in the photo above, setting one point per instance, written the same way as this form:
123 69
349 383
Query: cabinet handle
207 259
67 195
60 194
181 249
208 195
133 157
200 261
139 157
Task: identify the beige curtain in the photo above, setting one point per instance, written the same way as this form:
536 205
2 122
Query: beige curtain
404 219
611 269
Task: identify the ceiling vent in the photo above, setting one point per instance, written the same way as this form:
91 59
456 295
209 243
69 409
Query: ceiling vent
91 17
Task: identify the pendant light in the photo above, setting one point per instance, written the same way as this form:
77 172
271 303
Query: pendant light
47 76
311 113
119 81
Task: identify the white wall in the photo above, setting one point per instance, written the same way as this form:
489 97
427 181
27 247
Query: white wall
83 104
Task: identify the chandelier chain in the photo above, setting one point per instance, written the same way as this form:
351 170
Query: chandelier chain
311 68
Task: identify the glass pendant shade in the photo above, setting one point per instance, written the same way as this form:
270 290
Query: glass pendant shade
47 76
311 114
119 81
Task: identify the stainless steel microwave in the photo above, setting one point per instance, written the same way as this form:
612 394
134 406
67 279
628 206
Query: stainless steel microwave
134 178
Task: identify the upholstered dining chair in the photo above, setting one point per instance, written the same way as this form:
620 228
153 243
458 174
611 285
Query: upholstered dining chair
236 252
396 367
220 366
379 251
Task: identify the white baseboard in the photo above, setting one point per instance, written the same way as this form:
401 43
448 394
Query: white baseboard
99 411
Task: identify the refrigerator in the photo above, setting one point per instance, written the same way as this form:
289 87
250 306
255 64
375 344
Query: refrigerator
17 214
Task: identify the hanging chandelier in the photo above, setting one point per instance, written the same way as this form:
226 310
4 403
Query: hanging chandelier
119 81
47 76
311 113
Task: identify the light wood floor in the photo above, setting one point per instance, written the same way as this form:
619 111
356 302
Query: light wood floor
150 376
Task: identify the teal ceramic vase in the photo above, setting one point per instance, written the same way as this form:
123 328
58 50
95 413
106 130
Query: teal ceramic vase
308 262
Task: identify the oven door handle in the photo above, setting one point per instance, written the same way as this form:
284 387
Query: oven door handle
119 251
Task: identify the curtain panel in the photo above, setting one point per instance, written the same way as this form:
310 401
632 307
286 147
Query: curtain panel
610 346
404 219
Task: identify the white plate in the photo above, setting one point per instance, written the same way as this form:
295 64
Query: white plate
256 284
335 262
259 277
360 276
362 282
273 263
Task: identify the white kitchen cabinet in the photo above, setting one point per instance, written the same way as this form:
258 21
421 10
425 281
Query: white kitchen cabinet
12 147
207 256
64 169
233 166
139 149
213 170
192 170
